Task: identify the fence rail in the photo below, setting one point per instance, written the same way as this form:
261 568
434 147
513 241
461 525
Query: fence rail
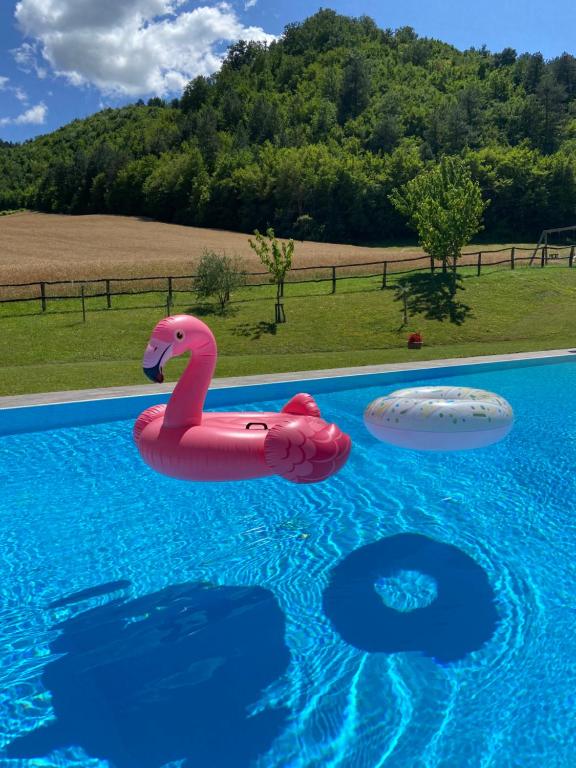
386 270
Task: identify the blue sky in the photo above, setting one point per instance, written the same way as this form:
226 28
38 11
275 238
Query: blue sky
63 59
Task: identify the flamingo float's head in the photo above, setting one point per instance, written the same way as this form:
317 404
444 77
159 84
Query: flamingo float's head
172 337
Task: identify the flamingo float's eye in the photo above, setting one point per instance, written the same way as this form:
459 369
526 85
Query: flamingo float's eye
179 335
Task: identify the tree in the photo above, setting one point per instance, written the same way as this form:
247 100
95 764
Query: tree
305 228
516 179
277 258
506 58
445 206
564 69
243 53
551 96
355 94
530 68
387 131
402 290
195 94
264 120
126 194
206 132
218 275
177 189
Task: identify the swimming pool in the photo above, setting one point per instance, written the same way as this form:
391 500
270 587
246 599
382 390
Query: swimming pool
212 627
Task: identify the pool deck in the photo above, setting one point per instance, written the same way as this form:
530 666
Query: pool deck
44 398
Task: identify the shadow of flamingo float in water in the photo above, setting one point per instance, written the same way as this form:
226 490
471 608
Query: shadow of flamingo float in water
166 677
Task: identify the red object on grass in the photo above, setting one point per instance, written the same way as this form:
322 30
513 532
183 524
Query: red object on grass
414 341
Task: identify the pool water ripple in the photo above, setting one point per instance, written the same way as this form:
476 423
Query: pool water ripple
79 509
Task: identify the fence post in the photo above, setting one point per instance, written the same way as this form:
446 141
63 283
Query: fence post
83 304
512 255
333 279
571 257
544 257
43 296
432 265
479 265
170 290
108 299
384 274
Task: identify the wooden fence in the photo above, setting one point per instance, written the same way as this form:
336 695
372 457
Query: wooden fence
387 271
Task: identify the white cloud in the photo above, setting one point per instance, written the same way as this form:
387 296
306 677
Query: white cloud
133 47
249 4
27 59
33 116
20 94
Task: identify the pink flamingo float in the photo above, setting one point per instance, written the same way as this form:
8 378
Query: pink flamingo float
183 441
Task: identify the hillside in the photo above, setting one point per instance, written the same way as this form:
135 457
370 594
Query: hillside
312 133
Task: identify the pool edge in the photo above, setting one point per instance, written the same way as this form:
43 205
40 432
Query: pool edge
112 405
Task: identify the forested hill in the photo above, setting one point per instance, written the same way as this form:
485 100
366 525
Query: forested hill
311 134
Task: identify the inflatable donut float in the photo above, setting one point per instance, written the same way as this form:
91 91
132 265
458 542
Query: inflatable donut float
439 418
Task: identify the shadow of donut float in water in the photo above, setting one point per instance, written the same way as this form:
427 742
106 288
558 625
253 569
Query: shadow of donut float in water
455 615
166 677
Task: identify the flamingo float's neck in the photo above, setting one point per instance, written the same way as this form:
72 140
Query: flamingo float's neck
185 407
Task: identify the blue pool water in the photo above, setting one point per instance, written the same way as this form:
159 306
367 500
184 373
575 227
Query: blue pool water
224 625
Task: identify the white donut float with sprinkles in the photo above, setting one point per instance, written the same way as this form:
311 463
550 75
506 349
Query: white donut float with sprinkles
439 418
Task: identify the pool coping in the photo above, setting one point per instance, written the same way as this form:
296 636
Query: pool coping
37 412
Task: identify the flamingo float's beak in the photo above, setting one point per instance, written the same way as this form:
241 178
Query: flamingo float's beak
157 353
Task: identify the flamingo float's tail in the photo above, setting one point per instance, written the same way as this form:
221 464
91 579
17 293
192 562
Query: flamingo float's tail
306 450
302 405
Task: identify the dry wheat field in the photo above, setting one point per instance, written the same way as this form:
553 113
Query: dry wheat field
39 246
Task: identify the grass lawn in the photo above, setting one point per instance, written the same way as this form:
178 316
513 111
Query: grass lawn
528 309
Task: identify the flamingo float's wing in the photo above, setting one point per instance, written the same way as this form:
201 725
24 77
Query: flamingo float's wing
306 450
146 417
302 405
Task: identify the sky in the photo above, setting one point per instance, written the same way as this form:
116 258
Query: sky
66 59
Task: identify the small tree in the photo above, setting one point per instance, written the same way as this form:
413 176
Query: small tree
218 275
304 227
277 258
445 206
402 289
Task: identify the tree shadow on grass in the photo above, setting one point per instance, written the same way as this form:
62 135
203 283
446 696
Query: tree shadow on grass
205 309
436 297
255 330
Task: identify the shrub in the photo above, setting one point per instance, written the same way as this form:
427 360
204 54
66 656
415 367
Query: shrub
218 275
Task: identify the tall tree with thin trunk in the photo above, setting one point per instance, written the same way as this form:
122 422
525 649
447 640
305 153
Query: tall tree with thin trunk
445 206
277 258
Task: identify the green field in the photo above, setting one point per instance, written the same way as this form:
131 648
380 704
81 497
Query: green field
528 309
